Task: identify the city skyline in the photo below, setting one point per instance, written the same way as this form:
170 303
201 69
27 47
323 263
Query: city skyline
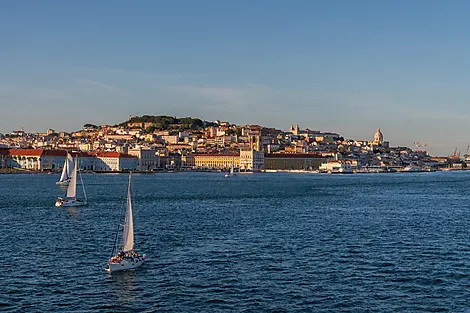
346 67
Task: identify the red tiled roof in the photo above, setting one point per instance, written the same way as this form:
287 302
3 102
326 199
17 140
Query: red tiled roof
26 152
36 152
43 152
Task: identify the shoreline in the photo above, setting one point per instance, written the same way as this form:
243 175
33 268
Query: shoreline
18 171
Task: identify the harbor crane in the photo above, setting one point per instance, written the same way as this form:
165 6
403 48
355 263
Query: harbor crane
455 154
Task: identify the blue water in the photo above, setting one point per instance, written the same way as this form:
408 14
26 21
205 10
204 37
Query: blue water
252 243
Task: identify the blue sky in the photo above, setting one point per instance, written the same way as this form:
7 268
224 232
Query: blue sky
343 66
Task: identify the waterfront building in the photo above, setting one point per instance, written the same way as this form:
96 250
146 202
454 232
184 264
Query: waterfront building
216 160
170 160
337 166
114 161
292 161
37 159
146 158
251 160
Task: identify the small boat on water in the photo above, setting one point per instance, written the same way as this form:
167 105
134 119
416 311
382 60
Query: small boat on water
232 171
70 199
127 258
67 171
412 168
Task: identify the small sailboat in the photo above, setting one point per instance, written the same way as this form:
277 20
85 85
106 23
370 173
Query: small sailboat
70 198
231 173
67 171
127 258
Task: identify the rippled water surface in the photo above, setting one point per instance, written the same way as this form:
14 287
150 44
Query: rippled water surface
251 243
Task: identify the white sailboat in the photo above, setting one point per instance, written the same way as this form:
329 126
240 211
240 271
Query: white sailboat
70 198
67 171
127 258
231 173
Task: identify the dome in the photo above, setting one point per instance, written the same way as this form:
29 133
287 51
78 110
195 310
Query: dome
378 137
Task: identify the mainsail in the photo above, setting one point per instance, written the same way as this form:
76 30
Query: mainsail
70 166
68 169
72 189
128 232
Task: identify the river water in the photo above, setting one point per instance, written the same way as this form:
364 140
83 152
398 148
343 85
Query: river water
251 243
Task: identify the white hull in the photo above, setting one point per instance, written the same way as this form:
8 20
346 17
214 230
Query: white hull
126 264
69 203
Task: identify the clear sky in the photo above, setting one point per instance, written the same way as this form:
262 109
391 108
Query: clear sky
344 66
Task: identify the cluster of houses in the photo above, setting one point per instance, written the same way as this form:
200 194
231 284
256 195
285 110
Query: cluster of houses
136 146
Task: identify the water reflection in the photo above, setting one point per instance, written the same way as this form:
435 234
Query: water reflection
73 211
124 285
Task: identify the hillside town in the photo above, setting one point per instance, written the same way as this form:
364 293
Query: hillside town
163 143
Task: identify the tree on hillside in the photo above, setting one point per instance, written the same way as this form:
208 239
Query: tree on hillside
164 122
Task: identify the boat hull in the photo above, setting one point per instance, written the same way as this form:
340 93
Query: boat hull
69 203
63 183
125 264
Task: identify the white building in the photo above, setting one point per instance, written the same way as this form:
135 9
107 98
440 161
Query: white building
338 166
114 161
251 160
146 158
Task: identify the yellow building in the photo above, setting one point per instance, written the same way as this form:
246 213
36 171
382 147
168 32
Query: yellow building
217 161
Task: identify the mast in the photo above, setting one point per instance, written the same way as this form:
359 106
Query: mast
83 185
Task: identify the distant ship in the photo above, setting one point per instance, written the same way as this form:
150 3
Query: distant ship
413 168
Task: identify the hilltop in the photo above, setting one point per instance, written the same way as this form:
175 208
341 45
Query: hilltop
163 122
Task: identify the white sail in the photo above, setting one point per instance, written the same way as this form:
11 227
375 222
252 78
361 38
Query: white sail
72 189
68 168
128 233
64 172
231 169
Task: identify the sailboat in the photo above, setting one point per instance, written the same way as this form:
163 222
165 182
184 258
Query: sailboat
67 171
127 258
70 198
231 173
